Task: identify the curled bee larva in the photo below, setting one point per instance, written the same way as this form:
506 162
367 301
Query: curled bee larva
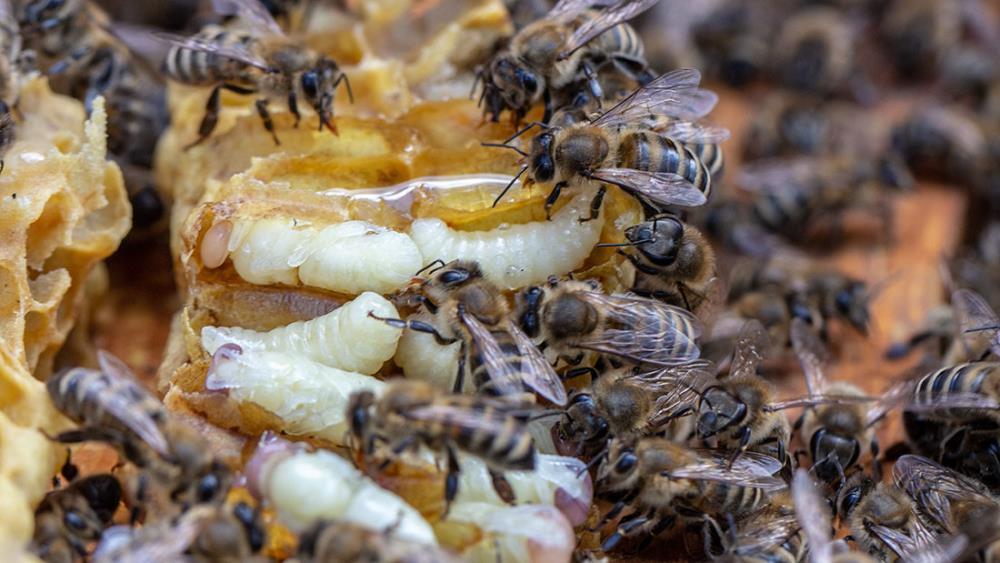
526 533
346 338
309 397
309 487
349 257
514 256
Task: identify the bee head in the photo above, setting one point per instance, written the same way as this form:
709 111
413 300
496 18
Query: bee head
103 493
620 471
319 84
517 85
359 410
851 495
851 302
718 411
658 240
581 423
543 167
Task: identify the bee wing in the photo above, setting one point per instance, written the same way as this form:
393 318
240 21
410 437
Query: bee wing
816 400
663 188
536 371
755 470
252 12
234 52
675 387
619 12
674 94
122 404
503 376
749 350
158 543
813 515
907 545
934 487
651 332
975 315
693 133
812 354
954 401
568 8
757 536
461 416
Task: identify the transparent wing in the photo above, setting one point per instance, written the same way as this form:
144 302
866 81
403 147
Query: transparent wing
568 8
252 12
674 387
607 18
816 400
536 371
234 52
749 350
674 94
934 488
693 133
663 188
975 316
906 544
813 514
128 402
953 401
490 421
756 471
812 354
759 535
897 395
503 376
648 331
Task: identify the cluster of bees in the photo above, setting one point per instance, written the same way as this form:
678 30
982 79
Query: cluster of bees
659 390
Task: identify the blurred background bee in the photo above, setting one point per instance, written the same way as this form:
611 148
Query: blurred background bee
70 518
344 542
550 53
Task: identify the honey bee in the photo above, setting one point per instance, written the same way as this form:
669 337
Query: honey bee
202 534
943 142
112 407
69 518
660 477
976 316
813 513
627 402
957 393
771 534
835 432
954 503
616 147
496 354
920 33
787 125
572 318
554 52
345 542
815 50
413 413
673 261
882 519
263 61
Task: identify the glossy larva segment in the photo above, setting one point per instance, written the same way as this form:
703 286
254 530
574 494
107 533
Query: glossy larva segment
346 338
422 358
527 533
349 257
515 256
309 397
306 487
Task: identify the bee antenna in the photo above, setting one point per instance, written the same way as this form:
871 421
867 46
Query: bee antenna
527 128
439 262
593 462
983 328
509 185
505 146
545 414
347 84
631 243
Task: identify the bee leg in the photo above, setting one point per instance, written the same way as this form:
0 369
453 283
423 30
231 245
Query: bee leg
552 198
581 371
450 480
592 84
595 205
210 120
265 116
418 326
744 441
625 528
460 374
549 110
293 107
502 487
69 470
397 449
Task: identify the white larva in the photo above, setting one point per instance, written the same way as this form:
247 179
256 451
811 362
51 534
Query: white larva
422 358
556 481
306 487
346 338
309 397
516 256
349 257
528 533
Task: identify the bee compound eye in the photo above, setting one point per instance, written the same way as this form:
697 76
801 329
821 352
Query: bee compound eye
454 276
208 486
626 463
310 84
74 521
